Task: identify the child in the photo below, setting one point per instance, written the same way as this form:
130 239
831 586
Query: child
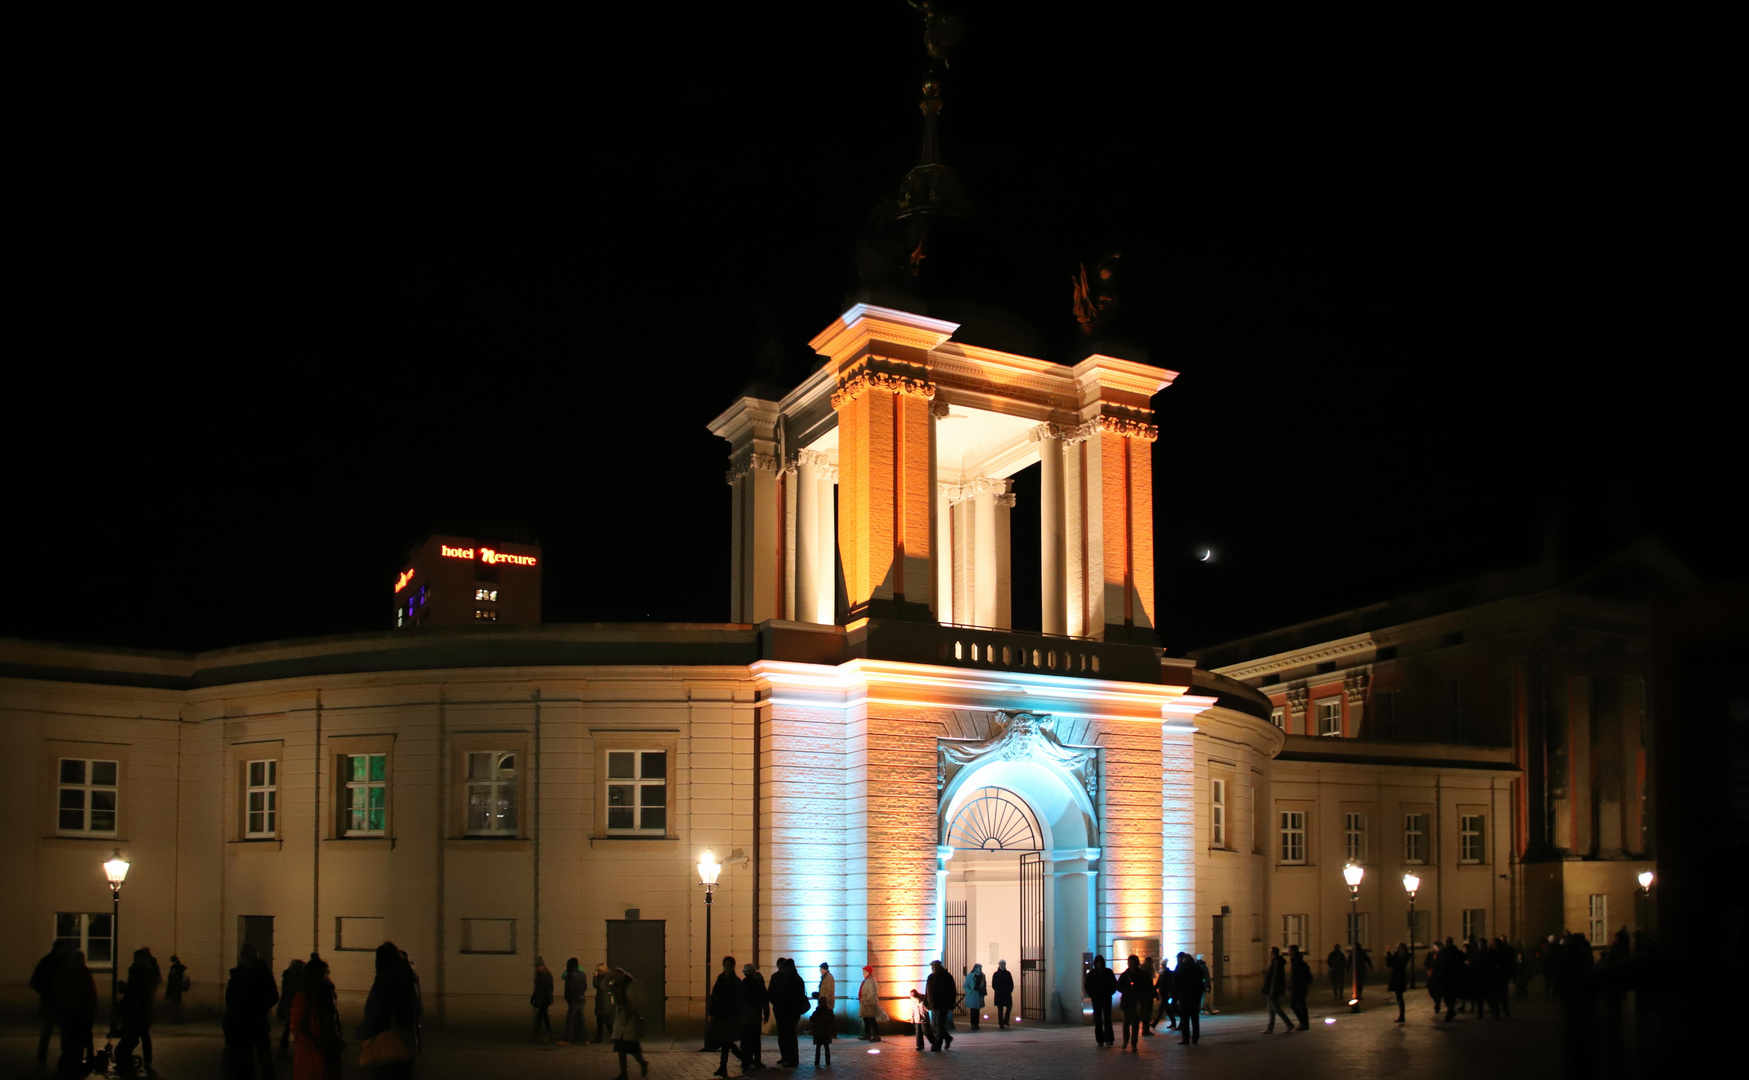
824 1025
920 1018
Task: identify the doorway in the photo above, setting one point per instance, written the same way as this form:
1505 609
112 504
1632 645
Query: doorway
640 946
257 930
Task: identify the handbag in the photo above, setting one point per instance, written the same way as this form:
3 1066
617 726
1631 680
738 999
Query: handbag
383 1048
638 1027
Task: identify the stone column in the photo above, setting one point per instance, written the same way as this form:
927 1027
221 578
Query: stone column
1053 576
1354 688
990 564
941 522
813 591
826 553
757 584
1297 696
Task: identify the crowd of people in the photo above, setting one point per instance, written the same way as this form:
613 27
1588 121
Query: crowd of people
1150 992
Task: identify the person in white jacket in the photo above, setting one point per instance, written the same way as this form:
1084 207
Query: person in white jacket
868 999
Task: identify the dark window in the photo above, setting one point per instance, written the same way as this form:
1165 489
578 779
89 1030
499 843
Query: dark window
1456 637
1328 665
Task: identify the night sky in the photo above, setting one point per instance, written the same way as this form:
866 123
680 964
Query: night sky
294 295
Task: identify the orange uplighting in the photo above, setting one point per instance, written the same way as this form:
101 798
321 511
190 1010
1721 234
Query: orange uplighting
401 582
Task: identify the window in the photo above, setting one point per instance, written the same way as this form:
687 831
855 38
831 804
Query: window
1472 838
1599 912
489 936
1277 717
366 809
1357 928
1385 705
1354 837
491 793
358 934
1421 929
637 791
261 799
92 934
486 594
1293 836
1476 924
87 799
1330 717
485 616
1218 819
1293 930
1414 838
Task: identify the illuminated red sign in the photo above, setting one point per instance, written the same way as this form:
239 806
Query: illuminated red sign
401 582
487 555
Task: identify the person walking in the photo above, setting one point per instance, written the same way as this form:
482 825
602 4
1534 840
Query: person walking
42 980
1163 995
975 988
920 1019
1208 986
1002 990
388 1035
289 981
75 1012
603 1003
1448 972
941 994
175 987
1398 960
137 997
723 1012
576 990
1187 998
1138 995
823 1026
1153 972
868 1004
542 999
1429 969
1338 969
755 1014
628 1020
318 1047
1299 983
249 996
1360 962
1100 983
1274 986
789 1001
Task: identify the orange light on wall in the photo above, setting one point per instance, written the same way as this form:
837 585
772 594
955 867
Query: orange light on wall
401 582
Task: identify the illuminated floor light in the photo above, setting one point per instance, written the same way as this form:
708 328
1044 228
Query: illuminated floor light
1329 1019
874 1051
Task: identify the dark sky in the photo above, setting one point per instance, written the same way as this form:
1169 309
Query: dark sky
296 294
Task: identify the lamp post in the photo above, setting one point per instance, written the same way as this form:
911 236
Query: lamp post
1411 885
116 870
708 869
1352 872
1644 896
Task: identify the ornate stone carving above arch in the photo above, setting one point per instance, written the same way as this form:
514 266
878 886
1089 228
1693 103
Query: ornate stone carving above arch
1019 736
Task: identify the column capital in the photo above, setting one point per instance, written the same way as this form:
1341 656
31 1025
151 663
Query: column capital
885 373
814 458
1354 687
958 493
749 461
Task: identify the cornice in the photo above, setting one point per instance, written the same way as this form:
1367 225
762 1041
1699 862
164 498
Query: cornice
864 323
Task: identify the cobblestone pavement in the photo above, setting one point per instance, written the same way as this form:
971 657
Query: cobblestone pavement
1232 1046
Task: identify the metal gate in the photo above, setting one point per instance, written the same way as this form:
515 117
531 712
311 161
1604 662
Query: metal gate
1032 936
954 947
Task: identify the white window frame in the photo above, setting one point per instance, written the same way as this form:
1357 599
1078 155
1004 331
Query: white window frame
1218 813
1472 839
267 792
1278 717
492 786
1415 828
1330 717
1354 837
1475 924
356 788
84 936
1597 912
1293 931
88 791
1292 832
637 783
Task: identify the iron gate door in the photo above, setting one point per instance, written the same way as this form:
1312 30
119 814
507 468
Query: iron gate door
640 946
956 939
1032 936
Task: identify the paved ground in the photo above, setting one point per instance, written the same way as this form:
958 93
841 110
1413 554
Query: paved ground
1232 1046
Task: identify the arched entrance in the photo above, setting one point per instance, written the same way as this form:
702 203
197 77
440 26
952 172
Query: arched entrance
1018 875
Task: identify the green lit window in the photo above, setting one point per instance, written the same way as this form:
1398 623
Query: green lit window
366 812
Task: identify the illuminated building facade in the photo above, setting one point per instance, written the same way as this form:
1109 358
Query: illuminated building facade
459 581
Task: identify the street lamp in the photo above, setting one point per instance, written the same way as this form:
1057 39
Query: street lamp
1411 885
708 869
1644 898
1352 872
116 870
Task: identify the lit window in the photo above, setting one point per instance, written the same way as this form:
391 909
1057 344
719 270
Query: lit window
1277 718
367 794
1293 836
92 934
87 799
1476 924
1330 717
637 791
486 594
1354 837
261 799
1599 912
485 616
1472 836
491 793
1414 838
1218 796
1293 930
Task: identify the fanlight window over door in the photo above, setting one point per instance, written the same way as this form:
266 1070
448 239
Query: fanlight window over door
995 819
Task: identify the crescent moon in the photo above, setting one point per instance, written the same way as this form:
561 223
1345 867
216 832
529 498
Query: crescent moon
1206 553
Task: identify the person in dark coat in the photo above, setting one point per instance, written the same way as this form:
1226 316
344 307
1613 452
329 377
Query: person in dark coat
1398 961
392 1006
789 1001
1299 983
289 981
317 1045
1502 969
249 998
1338 970
1100 984
75 1012
1162 994
1479 961
137 997
542 999
1360 962
576 1000
1448 974
1002 994
1274 986
1138 997
823 1025
941 994
602 983
755 1013
1187 998
1430 968
174 987
42 980
723 1011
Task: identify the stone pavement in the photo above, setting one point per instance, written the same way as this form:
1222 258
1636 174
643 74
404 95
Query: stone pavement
1232 1046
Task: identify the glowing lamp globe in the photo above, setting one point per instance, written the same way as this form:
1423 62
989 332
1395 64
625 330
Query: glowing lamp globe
116 870
1411 883
708 869
1646 879
1352 873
